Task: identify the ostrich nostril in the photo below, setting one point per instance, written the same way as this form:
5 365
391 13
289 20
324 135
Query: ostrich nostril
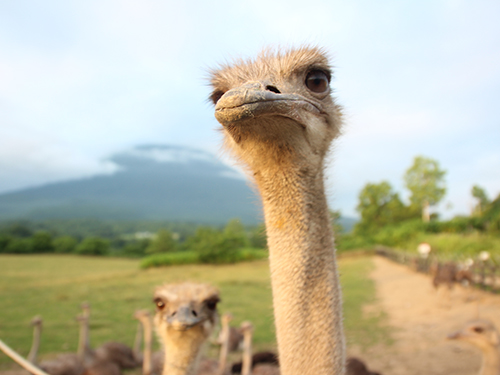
175 312
273 89
194 313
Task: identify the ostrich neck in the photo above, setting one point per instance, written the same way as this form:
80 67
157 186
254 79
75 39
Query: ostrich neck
35 344
224 348
247 353
138 339
148 341
491 362
84 352
182 351
305 284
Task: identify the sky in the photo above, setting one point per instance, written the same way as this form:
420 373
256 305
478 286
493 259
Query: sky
82 80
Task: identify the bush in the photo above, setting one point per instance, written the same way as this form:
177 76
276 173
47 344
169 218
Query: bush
42 242
170 259
64 244
93 246
4 242
19 246
136 248
192 257
163 243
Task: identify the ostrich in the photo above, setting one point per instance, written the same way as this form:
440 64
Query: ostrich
152 363
483 335
109 357
248 366
278 118
235 338
27 365
67 363
225 337
37 323
186 314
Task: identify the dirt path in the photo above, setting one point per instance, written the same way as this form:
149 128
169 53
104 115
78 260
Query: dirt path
422 318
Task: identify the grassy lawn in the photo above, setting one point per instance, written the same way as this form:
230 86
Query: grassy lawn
55 286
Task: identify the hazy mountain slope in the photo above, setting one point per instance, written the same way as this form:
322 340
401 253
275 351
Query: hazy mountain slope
155 182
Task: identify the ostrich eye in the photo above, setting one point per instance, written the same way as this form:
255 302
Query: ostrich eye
159 304
216 95
212 303
478 329
317 81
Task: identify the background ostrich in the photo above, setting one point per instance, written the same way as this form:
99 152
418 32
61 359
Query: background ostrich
37 323
279 119
106 357
235 338
185 316
483 335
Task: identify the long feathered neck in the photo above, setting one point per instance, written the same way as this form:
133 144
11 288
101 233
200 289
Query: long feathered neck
35 345
491 362
305 284
224 348
148 342
183 350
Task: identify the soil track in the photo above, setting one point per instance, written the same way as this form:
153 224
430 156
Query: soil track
421 318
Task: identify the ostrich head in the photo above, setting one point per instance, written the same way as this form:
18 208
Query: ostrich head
277 107
186 306
481 333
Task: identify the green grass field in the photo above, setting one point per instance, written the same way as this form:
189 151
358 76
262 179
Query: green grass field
55 286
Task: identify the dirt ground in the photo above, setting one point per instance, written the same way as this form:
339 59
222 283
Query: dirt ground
421 318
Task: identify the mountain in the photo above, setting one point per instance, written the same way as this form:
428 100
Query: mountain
153 182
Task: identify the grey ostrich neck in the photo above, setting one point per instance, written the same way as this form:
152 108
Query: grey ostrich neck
35 346
306 292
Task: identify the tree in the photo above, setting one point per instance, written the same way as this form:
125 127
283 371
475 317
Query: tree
378 206
235 234
425 180
163 243
42 242
64 244
93 246
480 194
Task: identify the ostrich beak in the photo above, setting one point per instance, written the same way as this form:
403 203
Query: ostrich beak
455 335
184 319
254 100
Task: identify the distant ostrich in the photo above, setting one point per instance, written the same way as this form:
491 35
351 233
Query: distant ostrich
248 366
63 364
448 273
66 363
235 338
152 363
37 323
97 361
27 365
185 317
225 342
483 335
278 118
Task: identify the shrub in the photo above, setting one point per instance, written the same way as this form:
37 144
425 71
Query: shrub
64 244
93 246
19 246
42 242
170 259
